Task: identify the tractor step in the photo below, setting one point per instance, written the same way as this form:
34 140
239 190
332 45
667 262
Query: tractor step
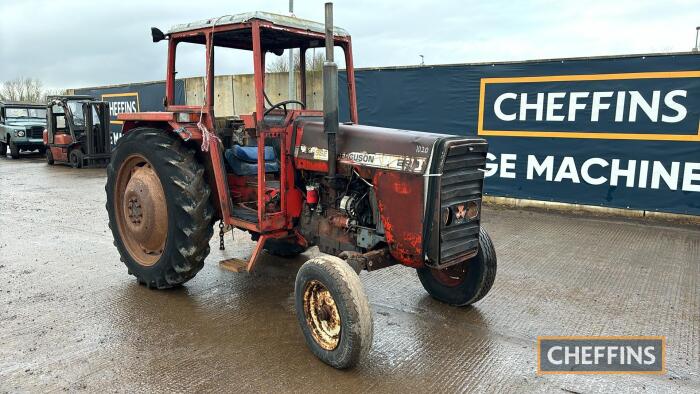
239 265
234 265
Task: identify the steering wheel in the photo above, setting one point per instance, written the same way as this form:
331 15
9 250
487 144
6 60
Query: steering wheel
283 104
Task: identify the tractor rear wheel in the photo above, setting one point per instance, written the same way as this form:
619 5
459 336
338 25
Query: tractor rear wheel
333 311
465 283
159 209
14 150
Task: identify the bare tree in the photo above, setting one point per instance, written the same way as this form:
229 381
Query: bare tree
26 89
280 64
22 89
52 92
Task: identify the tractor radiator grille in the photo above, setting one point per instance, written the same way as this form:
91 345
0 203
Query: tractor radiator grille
461 186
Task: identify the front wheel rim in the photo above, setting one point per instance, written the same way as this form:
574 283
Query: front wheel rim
141 210
322 315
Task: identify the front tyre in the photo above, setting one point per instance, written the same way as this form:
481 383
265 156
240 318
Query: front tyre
14 150
159 209
333 311
465 283
76 158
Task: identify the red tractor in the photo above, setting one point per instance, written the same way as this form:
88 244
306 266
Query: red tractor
367 197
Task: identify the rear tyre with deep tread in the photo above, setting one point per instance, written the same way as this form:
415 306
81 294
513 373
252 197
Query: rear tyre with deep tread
189 211
475 278
348 303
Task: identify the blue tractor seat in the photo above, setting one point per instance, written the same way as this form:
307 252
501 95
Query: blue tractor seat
243 160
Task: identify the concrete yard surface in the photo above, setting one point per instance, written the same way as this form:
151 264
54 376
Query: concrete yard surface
71 318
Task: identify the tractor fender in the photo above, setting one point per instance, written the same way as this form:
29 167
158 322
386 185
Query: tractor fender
185 132
133 124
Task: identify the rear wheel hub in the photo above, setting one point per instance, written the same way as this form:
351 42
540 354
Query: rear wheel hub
143 212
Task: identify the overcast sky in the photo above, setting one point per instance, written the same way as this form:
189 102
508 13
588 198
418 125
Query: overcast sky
79 43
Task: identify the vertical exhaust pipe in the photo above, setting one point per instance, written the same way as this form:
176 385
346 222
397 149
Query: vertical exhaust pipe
330 94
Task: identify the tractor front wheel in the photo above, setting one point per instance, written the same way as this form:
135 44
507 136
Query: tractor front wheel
464 283
333 311
159 209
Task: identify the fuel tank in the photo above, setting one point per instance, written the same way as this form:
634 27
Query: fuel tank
425 184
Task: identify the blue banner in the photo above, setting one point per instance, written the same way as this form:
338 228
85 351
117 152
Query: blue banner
616 131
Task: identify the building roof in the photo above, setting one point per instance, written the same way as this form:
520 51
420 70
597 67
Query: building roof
280 20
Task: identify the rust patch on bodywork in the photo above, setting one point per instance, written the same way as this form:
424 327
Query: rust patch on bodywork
400 201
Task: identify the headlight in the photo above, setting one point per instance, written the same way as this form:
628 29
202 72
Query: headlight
472 210
446 216
19 133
